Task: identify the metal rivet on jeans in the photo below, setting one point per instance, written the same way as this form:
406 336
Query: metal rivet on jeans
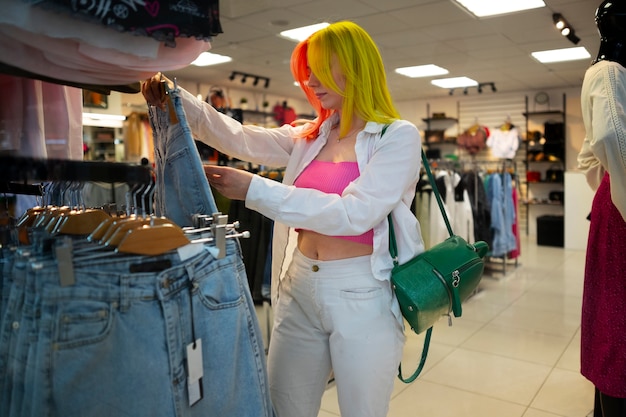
315 268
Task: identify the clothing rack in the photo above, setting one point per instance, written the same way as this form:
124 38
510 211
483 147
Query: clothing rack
18 169
499 166
19 188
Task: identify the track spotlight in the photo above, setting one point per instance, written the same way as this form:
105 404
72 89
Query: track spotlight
559 21
245 76
565 28
479 88
573 38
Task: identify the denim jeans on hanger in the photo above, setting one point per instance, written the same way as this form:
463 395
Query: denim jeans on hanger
182 187
114 342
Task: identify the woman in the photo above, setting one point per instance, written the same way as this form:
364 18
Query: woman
334 309
603 159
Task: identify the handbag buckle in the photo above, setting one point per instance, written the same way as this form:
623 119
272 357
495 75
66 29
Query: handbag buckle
456 278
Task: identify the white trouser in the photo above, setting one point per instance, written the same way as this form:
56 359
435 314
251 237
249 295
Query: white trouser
334 315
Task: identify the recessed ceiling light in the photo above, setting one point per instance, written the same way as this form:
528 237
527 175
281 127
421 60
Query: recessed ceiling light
208 58
300 34
483 8
455 82
561 55
422 71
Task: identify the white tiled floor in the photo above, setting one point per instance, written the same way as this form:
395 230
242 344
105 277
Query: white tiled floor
514 353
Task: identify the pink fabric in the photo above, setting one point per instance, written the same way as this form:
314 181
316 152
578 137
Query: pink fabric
76 61
332 178
40 120
518 249
603 324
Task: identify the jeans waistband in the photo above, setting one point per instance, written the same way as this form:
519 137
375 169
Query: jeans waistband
345 267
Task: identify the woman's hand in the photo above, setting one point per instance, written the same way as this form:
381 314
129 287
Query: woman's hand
232 183
153 90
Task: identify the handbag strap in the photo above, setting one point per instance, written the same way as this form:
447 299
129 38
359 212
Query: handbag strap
393 247
433 184
418 371
393 250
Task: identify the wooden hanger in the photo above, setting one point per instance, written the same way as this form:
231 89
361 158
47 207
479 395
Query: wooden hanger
153 240
114 239
81 222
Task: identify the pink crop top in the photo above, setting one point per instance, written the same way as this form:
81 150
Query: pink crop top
333 178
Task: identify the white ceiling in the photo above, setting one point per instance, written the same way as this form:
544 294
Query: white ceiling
408 32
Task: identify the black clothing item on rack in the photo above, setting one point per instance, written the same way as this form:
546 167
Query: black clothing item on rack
481 208
133 88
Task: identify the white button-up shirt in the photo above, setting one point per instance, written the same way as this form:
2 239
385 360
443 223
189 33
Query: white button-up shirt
389 170
603 98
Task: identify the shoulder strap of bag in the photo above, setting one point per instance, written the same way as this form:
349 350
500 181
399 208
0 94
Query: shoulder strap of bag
393 250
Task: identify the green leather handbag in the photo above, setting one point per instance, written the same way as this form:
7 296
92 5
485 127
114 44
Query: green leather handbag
437 281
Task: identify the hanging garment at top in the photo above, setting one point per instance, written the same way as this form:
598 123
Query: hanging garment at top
163 20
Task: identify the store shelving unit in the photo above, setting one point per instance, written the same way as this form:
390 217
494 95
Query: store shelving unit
545 157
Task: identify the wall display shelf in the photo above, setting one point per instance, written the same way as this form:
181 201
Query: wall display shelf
103 143
545 161
436 142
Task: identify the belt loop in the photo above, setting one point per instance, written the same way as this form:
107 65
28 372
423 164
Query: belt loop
124 293
191 271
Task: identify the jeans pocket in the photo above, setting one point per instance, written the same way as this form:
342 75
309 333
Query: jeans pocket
221 289
365 293
83 322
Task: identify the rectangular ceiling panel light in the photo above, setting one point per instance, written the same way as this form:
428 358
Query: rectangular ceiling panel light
300 34
209 58
561 55
484 8
456 82
422 71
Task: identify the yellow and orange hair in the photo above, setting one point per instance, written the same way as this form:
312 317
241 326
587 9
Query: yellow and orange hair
366 93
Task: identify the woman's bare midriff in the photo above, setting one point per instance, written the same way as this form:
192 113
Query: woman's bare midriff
327 248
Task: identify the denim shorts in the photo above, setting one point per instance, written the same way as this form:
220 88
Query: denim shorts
114 343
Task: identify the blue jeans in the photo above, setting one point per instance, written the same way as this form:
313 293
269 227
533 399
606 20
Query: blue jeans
182 187
115 342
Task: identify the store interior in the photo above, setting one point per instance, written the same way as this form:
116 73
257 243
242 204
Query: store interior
515 350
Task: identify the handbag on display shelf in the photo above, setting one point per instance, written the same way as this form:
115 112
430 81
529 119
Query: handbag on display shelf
435 283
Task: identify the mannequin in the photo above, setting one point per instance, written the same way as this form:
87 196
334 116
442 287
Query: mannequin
603 160
611 22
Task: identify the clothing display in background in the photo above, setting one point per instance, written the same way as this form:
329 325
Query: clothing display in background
39 119
504 141
474 139
138 138
255 250
503 216
481 206
456 204
283 114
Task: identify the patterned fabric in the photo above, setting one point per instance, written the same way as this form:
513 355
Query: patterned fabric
603 331
163 20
